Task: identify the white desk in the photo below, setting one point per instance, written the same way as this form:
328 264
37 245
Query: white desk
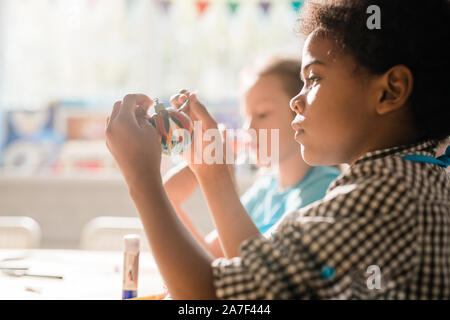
91 275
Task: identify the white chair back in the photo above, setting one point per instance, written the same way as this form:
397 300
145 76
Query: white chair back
19 233
106 233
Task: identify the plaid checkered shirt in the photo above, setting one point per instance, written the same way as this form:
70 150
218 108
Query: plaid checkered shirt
381 232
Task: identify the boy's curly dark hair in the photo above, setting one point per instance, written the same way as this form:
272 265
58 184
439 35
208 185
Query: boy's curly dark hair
413 33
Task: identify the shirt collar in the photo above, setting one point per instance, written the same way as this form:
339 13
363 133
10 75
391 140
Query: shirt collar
425 147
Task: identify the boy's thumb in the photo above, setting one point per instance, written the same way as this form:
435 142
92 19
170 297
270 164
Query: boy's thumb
143 122
198 109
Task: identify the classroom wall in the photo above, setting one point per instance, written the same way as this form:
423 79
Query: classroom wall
62 206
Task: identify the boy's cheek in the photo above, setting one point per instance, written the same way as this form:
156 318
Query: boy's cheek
314 96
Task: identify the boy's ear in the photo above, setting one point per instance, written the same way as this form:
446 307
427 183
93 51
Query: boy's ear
395 87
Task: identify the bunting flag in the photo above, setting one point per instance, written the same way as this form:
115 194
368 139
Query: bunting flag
265 6
296 5
164 5
233 6
202 6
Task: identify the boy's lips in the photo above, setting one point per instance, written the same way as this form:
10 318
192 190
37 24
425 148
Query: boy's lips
298 134
297 125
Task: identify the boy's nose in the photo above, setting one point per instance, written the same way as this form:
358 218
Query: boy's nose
296 104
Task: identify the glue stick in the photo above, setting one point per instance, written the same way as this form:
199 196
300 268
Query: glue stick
130 266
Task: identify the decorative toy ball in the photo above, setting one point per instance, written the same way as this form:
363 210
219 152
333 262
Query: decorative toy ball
174 127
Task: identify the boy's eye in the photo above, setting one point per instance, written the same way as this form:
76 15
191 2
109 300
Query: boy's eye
262 115
312 79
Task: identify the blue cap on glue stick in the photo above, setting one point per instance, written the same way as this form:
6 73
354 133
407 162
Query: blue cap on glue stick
130 266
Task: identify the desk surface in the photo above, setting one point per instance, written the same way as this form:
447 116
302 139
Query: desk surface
91 275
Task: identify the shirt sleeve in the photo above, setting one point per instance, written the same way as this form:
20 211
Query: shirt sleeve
262 272
254 196
326 249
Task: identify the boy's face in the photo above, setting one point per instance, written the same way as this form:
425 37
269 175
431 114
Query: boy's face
266 106
334 113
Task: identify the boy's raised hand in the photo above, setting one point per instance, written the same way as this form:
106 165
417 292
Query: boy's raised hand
198 114
194 109
132 140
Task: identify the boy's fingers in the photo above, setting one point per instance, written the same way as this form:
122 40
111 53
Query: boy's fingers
181 98
141 118
177 100
115 110
199 110
185 105
131 101
143 122
174 100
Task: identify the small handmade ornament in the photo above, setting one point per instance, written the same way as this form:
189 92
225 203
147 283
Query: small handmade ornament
174 127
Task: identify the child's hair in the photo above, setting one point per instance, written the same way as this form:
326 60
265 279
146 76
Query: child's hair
413 33
287 68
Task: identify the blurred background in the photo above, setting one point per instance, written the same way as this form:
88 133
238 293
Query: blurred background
63 63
